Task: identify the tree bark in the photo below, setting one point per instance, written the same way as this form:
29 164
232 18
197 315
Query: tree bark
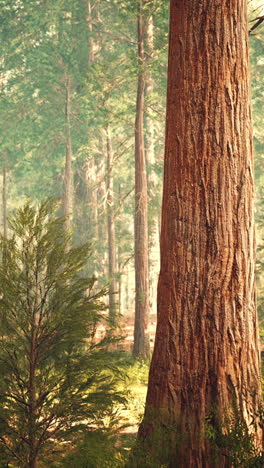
141 340
68 183
206 353
111 228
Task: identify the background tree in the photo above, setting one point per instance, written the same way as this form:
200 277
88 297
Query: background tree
141 339
111 226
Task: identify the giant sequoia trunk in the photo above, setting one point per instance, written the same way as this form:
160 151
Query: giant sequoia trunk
206 355
141 340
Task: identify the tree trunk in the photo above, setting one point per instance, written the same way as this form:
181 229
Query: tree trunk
4 198
149 88
32 356
89 166
141 340
120 282
206 354
91 192
111 228
90 27
68 185
32 404
153 226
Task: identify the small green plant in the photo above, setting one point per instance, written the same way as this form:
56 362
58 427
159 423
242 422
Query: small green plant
98 449
58 383
232 439
135 386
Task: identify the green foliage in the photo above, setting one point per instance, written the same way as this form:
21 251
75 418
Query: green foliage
233 439
96 449
135 386
58 381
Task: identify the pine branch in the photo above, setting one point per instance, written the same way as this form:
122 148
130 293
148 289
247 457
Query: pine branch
257 22
11 451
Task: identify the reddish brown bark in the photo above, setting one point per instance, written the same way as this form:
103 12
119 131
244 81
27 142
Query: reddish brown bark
206 351
141 340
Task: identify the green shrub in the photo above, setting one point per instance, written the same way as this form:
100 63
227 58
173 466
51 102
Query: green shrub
233 439
58 383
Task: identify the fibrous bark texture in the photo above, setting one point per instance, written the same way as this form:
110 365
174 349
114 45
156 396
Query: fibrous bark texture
141 340
206 354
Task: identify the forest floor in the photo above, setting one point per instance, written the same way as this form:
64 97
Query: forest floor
135 383
137 380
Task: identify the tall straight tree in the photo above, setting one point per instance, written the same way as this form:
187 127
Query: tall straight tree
4 195
111 226
67 203
206 355
90 163
153 225
141 341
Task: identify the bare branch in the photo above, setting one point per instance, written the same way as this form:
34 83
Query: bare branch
257 22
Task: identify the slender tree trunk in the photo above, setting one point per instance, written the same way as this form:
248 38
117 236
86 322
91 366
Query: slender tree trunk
4 198
101 193
149 88
141 340
91 197
32 381
68 183
90 167
120 267
120 281
32 402
111 228
206 355
153 227
90 27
